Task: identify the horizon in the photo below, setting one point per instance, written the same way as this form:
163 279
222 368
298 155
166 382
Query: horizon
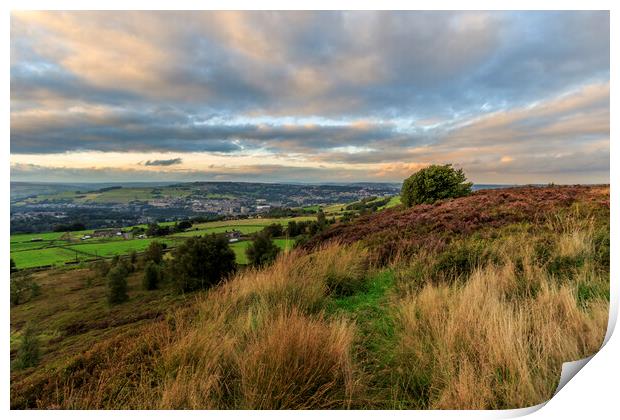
304 97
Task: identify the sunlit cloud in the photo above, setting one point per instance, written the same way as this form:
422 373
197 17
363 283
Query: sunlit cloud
517 96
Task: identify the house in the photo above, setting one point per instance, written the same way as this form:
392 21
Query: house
234 234
106 233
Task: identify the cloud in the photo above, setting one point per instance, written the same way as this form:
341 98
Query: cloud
312 87
163 162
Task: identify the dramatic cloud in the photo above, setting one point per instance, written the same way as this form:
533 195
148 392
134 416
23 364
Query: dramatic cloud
361 93
163 162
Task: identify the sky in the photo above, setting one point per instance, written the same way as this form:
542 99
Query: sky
510 97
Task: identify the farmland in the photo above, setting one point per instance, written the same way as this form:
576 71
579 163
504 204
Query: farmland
62 248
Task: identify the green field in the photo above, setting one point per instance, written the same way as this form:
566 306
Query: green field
120 195
394 201
42 257
52 250
118 247
55 251
240 247
252 222
245 229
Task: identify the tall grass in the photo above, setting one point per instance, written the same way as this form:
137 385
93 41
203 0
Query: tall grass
498 338
262 341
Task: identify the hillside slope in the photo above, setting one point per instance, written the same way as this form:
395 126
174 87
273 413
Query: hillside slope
397 229
470 303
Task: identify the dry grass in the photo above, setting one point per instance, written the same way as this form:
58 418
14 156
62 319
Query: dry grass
261 340
498 339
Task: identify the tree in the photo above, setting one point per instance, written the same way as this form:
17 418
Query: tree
23 288
274 230
152 276
28 352
262 251
321 220
433 183
201 262
13 266
155 229
154 252
184 225
117 285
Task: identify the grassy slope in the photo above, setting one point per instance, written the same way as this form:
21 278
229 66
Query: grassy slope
396 335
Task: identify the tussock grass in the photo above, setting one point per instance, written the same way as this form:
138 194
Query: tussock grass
498 338
262 340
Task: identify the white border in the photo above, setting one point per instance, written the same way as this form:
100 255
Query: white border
593 393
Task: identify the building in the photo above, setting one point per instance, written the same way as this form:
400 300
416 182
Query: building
106 233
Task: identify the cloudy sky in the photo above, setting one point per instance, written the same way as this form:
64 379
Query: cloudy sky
511 97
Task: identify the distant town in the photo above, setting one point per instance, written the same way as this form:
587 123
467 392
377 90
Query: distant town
45 207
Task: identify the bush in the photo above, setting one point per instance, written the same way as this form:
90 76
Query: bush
601 247
152 276
274 230
23 288
565 266
184 225
28 352
102 267
461 258
201 262
155 252
117 285
433 183
262 251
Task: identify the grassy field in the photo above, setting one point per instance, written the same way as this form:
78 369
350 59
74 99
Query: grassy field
394 201
118 247
240 247
473 303
42 257
119 195
234 224
53 250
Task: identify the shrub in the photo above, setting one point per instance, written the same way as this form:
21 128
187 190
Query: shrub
28 352
262 251
102 267
274 230
601 247
154 252
461 258
117 285
202 262
565 266
321 220
23 288
184 225
433 183
152 276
